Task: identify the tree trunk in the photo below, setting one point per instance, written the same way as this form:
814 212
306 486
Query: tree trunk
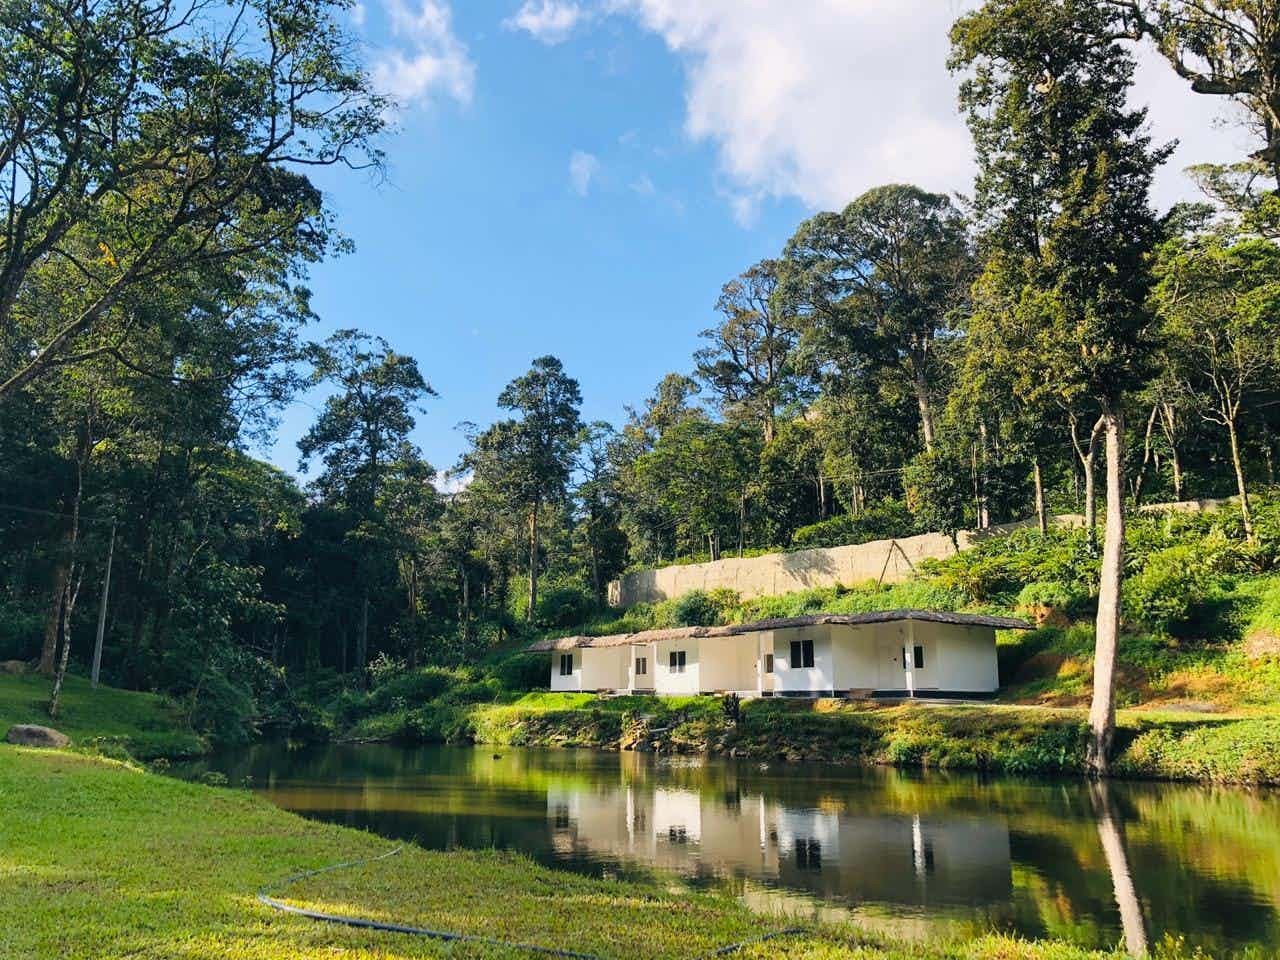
1146 457
1088 459
1169 424
533 562
922 400
1246 514
70 594
53 620
1042 517
362 640
1102 710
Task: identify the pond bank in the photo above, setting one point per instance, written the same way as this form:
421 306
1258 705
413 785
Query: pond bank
107 861
990 737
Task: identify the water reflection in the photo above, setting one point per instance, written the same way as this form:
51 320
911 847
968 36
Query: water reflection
1115 863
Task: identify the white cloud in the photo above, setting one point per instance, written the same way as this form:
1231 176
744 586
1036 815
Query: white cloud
550 21
358 14
644 186
433 60
824 99
583 168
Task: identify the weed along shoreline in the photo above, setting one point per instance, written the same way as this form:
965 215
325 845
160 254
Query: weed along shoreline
995 738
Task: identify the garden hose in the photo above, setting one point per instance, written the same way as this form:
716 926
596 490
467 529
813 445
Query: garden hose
363 924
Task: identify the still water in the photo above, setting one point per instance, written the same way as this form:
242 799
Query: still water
909 854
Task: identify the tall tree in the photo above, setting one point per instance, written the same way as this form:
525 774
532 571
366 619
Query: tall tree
530 457
1064 176
362 432
1220 306
882 280
138 139
1222 48
748 360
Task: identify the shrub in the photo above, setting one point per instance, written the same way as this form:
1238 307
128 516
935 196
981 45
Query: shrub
385 668
565 605
1170 586
20 631
699 608
885 520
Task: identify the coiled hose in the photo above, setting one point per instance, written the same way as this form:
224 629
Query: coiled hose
363 924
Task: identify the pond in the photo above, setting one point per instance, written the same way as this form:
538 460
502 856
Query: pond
910 854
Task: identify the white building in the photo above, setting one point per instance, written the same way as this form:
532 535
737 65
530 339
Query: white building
905 652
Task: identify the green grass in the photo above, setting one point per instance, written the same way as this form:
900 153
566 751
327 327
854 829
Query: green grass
105 719
99 860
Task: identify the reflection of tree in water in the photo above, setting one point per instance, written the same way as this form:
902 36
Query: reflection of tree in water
1111 833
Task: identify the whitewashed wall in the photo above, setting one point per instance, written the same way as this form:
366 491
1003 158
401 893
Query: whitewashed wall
790 678
664 680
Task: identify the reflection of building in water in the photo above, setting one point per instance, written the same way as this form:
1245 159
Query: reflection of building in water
902 859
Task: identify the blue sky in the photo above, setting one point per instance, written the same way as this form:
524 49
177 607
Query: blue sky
579 178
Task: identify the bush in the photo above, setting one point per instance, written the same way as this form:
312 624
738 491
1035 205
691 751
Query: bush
565 605
21 631
886 520
700 608
1171 585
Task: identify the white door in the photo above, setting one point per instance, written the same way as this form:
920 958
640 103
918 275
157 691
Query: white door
890 670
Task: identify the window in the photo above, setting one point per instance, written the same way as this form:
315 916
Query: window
808 853
919 657
801 654
566 664
642 666
768 663
677 661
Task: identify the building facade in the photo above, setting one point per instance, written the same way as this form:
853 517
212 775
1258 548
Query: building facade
892 652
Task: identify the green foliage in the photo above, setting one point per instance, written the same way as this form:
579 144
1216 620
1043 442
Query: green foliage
1242 750
887 520
20 631
698 608
565 605
1171 586
1057 596
939 492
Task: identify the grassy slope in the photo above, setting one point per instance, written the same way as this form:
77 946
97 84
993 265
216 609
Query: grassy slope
106 718
98 860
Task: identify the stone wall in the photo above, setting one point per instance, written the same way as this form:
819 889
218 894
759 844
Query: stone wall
774 573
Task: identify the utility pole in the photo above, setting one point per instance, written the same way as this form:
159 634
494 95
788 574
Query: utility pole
102 609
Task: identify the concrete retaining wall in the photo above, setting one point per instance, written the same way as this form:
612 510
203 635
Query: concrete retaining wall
775 573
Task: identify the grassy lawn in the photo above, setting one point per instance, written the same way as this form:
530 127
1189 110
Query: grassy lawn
99 860
106 718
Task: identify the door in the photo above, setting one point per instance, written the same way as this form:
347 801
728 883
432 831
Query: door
890 674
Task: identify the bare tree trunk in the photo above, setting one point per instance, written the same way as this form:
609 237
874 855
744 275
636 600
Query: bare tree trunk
362 640
922 400
1088 460
1246 514
1111 833
1102 710
70 596
53 619
1146 456
533 562
1169 424
1042 517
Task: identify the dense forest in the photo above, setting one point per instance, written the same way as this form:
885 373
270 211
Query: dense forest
1050 342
